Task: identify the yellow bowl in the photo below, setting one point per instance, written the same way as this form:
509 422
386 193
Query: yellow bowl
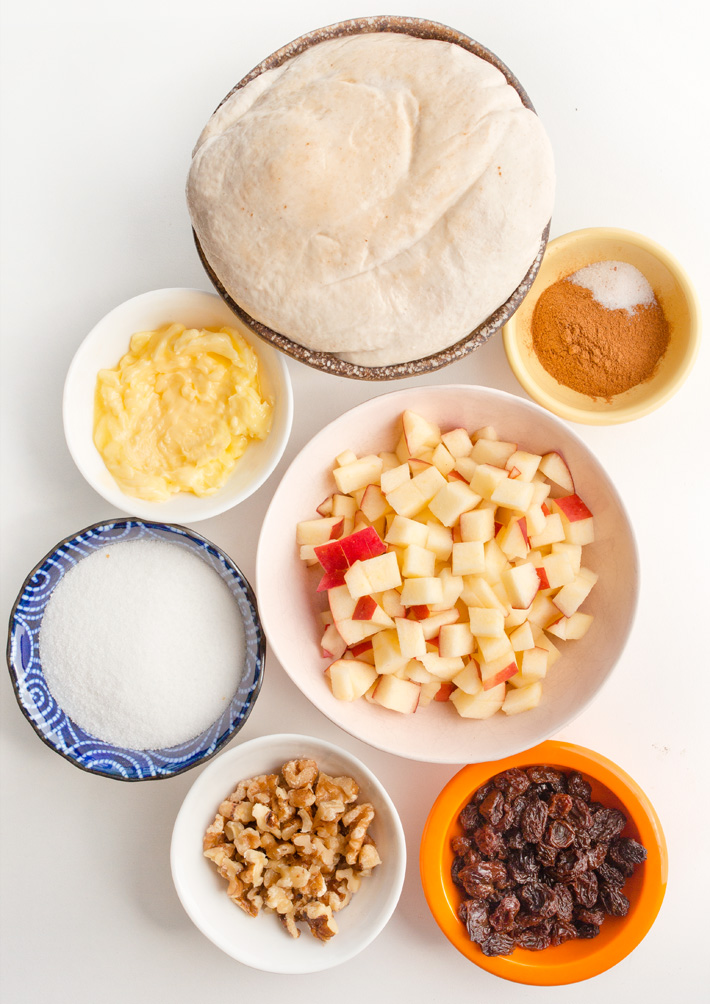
674 292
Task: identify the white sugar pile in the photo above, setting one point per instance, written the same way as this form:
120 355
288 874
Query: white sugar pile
142 644
615 284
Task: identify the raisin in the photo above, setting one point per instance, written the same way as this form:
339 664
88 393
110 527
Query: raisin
469 817
482 792
473 885
608 873
607 824
564 901
629 851
579 815
559 805
576 785
613 900
456 867
490 872
535 939
475 917
538 898
515 839
548 775
459 845
570 863
489 842
492 807
562 931
512 782
522 866
595 916
498 944
533 821
597 855
559 834
586 889
586 930
503 916
546 855
525 920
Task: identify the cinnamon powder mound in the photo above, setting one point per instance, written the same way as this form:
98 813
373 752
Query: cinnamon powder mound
592 349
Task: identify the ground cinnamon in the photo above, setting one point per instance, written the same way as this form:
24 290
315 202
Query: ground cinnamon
592 349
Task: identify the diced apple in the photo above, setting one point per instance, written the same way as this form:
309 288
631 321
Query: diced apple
394 477
350 678
419 433
424 590
467 558
326 507
374 504
407 500
465 468
485 432
387 653
492 649
526 463
382 572
318 531
403 532
455 640
438 540
486 478
451 586
442 667
392 604
522 637
357 582
432 625
497 671
573 552
332 644
396 694
344 505
492 451
453 499
418 562
543 611
513 493
578 625
429 482
521 583
353 632
571 597
481 705
457 442
513 539
486 622
478 593
534 520
442 460
358 473
341 603
552 532
444 692
558 571
477 524
542 641
571 507
411 637
364 608
522 699
469 679
554 466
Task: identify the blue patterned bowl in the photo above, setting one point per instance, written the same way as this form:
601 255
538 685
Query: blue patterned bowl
55 728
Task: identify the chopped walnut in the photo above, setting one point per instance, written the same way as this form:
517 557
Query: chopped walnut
296 845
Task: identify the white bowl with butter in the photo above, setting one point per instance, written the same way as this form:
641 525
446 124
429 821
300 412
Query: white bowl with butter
102 349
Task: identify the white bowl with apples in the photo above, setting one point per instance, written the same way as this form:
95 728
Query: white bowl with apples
462 574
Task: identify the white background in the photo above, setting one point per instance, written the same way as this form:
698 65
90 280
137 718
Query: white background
101 105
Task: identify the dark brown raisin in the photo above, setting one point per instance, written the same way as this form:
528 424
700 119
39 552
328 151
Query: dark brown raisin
498 944
525 920
490 843
586 889
559 805
512 782
546 855
608 873
538 898
562 931
503 916
593 916
548 775
576 785
559 834
473 885
579 815
586 930
628 850
492 807
607 824
535 939
515 839
522 866
469 817
596 855
533 821
475 917
564 901
570 863
613 900
456 867
459 845
482 792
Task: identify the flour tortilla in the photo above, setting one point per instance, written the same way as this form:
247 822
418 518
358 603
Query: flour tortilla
377 196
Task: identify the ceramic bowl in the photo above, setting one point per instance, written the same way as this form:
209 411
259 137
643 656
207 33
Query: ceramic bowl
53 725
578 959
102 348
290 605
261 942
325 361
674 292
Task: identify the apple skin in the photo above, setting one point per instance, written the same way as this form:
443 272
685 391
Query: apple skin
542 576
444 692
572 508
364 609
500 676
331 579
339 555
364 646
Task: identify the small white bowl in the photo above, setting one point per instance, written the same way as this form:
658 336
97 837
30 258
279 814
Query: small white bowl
102 348
261 942
289 604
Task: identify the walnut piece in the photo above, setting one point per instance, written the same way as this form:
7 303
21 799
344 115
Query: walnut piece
295 844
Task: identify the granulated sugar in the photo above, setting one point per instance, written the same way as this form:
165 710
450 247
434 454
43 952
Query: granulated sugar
615 284
142 644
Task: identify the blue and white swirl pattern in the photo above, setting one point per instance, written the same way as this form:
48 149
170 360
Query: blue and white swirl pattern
50 722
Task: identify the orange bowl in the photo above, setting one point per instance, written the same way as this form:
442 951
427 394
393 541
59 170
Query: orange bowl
578 959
